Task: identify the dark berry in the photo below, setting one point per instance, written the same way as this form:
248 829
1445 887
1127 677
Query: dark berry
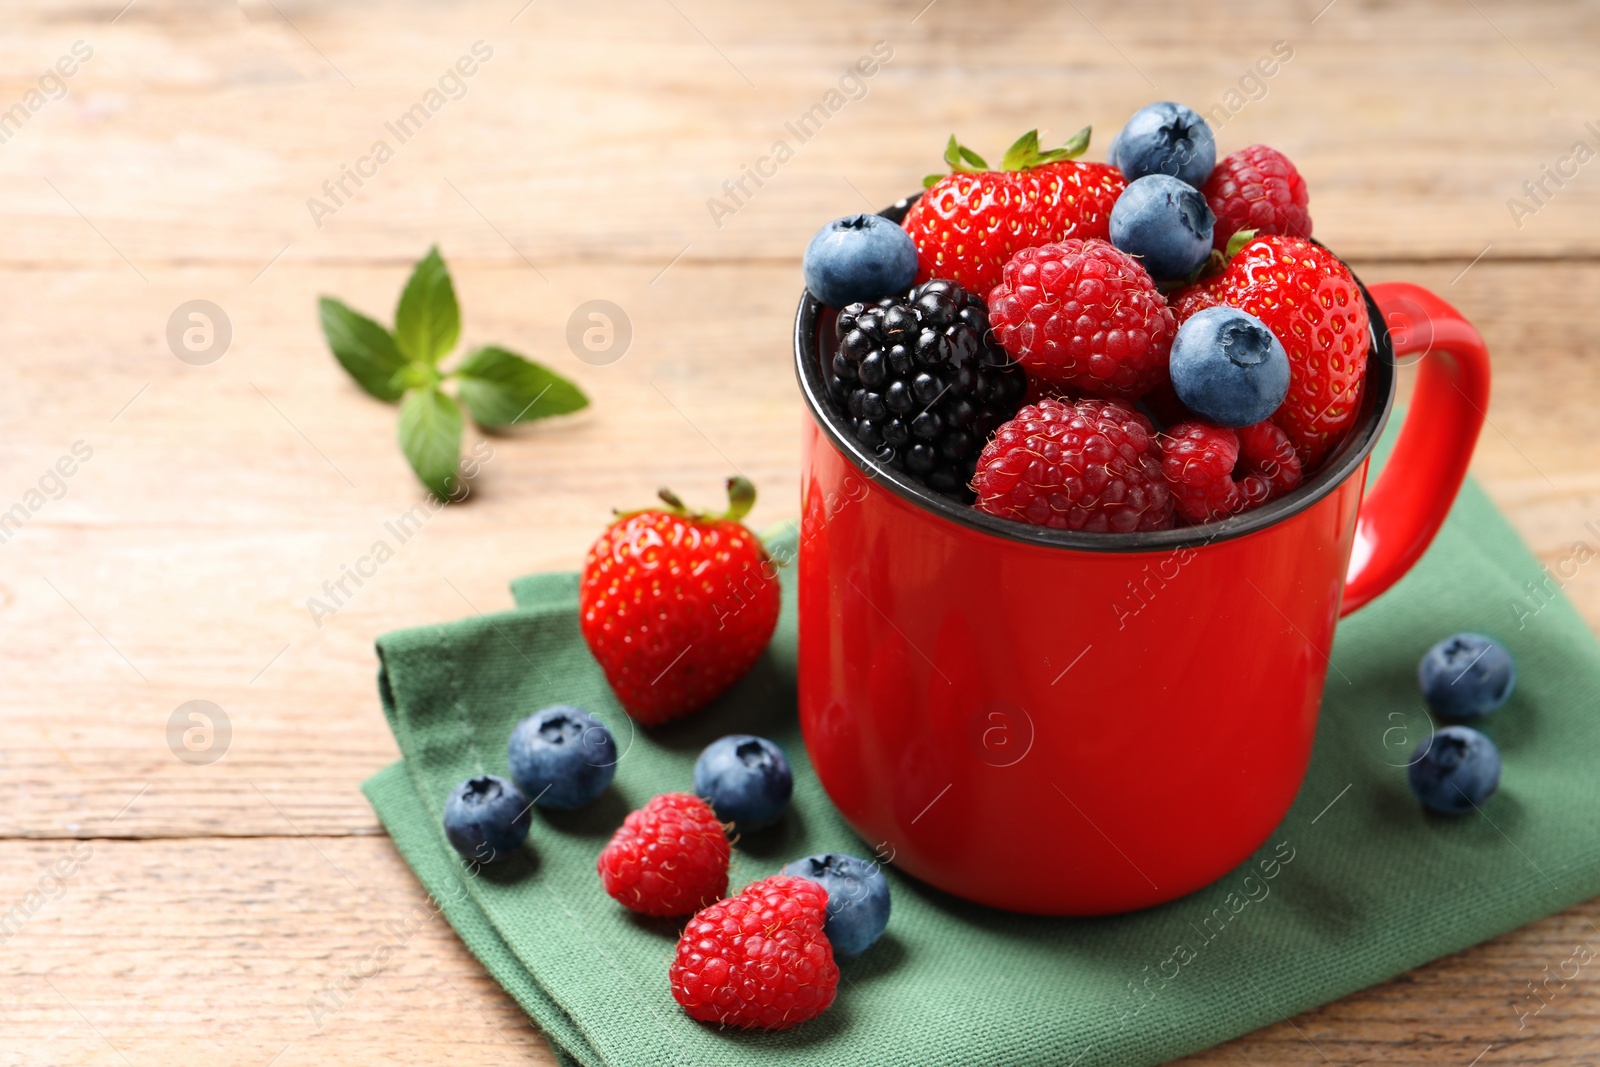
745 779
858 899
859 257
1466 676
562 757
486 818
1455 770
924 382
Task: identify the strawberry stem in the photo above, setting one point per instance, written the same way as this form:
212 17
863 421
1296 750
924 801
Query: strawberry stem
741 498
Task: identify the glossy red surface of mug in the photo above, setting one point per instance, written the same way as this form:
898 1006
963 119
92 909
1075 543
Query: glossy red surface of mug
1081 724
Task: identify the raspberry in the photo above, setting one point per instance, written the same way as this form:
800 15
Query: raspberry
1085 465
923 382
1216 472
668 858
760 959
1084 314
1257 188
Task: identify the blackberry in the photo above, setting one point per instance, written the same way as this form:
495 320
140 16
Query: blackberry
924 383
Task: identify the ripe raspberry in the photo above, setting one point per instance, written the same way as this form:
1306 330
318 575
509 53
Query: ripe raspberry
1311 303
668 858
1257 188
968 224
1216 472
1084 314
676 606
1090 465
759 959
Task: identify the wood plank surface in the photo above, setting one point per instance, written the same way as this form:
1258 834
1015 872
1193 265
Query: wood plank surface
175 563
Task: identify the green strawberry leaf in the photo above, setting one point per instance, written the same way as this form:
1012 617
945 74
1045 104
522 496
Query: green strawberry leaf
1076 146
963 160
430 437
501 388
427 322
1022 152
933 179
363 348
1237 242
1026 153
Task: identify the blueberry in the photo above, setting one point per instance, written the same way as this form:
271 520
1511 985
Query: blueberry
1165 223
1455 770
1466 676
486 818
859 257
1165 138
562 757
745 779
1228 367
858 899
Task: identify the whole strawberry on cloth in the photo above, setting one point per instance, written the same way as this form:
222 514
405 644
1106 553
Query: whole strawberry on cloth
1312 304
677 605
969 223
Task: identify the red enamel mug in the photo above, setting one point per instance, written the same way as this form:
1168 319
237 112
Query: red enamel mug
1071 723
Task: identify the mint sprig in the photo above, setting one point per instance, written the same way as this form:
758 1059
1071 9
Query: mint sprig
498 387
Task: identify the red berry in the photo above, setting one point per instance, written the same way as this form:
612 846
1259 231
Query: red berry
668 858
1197 297
1085 465
759 959
677 606
1084 314
1216 472
969 224
1257 188
1311 303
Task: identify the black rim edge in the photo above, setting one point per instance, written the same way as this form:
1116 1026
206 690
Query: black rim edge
1344 461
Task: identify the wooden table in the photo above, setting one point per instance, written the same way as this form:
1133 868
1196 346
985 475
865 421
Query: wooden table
207 905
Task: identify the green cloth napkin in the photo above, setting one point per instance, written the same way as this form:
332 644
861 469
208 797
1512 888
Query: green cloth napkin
1357 885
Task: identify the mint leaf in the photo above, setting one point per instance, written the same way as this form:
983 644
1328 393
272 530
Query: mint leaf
430 437
427 323
501 388
362 347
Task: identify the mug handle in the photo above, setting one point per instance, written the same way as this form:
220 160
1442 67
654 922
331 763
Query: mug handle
1401 513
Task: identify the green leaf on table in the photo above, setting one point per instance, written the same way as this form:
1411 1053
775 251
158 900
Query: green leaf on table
430 437
501 388
427 322
363 348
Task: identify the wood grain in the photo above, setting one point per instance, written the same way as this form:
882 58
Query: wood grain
175 563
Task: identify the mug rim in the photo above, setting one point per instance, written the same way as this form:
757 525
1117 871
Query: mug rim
1377 401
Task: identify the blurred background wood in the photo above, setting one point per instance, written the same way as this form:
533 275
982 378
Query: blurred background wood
578 161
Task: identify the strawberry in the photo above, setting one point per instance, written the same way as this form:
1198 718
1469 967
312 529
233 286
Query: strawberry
1311 303
969 223
677 605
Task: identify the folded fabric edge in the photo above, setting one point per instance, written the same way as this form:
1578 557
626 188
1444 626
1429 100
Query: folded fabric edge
393 797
